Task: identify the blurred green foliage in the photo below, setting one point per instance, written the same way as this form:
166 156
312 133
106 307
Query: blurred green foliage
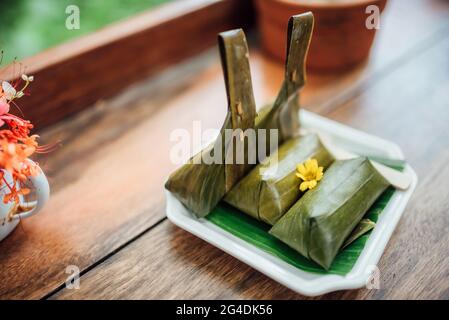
30 26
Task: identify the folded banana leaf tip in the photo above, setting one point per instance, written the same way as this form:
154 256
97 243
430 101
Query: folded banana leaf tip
200 187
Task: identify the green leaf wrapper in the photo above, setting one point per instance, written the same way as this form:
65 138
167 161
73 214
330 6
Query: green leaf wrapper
271 188
364 226
200 186
283 113
318 224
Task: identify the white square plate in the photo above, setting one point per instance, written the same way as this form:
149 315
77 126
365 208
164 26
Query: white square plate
306 283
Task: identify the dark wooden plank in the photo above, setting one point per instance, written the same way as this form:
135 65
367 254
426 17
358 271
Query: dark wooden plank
104 195
73 76
409 107
99 201
108 175
169 263
122 193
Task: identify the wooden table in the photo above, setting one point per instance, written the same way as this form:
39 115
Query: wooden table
107 217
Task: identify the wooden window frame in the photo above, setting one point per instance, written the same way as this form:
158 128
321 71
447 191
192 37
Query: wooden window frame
74 75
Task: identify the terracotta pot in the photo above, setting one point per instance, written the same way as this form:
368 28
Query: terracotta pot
340 39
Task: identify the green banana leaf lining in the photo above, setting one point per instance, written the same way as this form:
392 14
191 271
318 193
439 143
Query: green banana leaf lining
256 233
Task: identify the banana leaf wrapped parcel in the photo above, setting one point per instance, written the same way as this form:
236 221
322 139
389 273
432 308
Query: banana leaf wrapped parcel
283 113
320 222
198 184
272 187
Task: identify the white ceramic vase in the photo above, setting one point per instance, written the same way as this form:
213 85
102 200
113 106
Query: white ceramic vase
9 221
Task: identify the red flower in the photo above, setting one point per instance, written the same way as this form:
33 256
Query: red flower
16 144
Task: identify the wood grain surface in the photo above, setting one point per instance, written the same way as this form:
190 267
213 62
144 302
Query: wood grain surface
170 263
106 214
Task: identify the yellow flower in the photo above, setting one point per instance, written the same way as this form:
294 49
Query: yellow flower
309 173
